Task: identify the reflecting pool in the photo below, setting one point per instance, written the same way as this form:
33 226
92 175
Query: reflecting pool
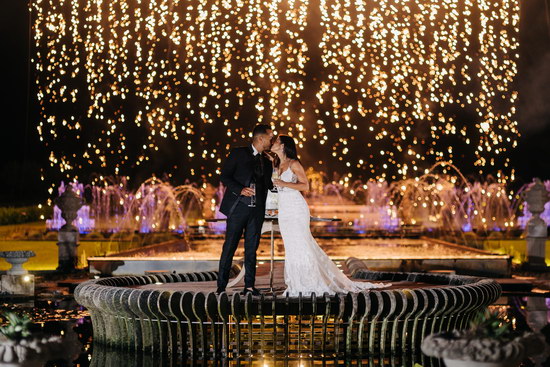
60 314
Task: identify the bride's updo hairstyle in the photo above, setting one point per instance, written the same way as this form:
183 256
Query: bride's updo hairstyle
289 147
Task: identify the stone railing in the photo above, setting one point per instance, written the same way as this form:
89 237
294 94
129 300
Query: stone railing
206 325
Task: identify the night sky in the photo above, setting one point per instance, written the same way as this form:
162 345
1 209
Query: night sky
23 155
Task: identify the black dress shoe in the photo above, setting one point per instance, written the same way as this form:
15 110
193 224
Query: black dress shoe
253 290
220 290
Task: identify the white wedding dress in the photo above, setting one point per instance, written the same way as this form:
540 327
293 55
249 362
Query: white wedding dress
308 268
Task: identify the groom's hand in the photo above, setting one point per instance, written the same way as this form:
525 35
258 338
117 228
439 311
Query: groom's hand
247 191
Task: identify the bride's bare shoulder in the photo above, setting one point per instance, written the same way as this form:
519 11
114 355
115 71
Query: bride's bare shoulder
295 165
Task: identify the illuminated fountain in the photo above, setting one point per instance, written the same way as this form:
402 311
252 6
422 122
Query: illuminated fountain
175 311
431 201
435 201
376 212
155 206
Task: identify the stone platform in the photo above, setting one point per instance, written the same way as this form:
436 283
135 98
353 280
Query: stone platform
180 314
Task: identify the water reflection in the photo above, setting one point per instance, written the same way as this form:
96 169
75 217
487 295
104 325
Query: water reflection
42 311
55 316
105 357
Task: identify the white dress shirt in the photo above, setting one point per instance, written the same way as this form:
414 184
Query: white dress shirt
254 150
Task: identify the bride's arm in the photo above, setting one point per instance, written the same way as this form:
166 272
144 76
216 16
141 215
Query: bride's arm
302 184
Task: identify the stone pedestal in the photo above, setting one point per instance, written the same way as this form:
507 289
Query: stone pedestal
536 252
67 248
536 315
20 285
535 197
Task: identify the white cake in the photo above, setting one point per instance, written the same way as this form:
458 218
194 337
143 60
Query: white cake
272 202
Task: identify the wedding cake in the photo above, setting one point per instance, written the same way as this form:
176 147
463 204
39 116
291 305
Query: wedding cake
271 203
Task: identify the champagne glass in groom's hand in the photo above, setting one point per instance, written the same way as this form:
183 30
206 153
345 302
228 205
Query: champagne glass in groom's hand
253 197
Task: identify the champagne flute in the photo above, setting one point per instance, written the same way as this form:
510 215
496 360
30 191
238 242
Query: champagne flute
253 197
275 176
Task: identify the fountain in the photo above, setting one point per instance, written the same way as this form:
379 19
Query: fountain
429 202
377 211
408 207
411 207
179 314
156 206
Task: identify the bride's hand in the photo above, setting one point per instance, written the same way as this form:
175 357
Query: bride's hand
277 182
270 155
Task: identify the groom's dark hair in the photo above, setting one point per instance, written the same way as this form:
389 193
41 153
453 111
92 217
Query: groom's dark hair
260 129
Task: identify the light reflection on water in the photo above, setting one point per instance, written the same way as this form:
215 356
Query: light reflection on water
106 357
53 316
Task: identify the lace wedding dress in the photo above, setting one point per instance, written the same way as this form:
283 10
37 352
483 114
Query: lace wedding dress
307 267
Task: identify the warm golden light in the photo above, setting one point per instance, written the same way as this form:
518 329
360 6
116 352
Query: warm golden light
385 86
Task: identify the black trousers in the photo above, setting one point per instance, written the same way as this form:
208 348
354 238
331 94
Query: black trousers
248 220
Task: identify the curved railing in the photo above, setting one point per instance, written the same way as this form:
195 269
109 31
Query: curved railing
196 324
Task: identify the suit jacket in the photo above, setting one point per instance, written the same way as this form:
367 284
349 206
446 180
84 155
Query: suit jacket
237 173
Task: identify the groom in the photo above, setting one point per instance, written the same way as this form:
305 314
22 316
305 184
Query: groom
245 165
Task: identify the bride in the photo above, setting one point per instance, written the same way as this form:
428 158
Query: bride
308 269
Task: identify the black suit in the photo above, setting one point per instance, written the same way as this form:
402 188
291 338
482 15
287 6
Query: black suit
240 169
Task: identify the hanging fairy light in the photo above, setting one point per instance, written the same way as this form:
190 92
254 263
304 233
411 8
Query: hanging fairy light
381 89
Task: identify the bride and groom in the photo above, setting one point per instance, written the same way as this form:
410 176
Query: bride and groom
247 176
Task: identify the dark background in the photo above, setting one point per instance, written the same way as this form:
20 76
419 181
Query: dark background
22 155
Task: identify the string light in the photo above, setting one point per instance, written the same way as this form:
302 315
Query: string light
381 89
